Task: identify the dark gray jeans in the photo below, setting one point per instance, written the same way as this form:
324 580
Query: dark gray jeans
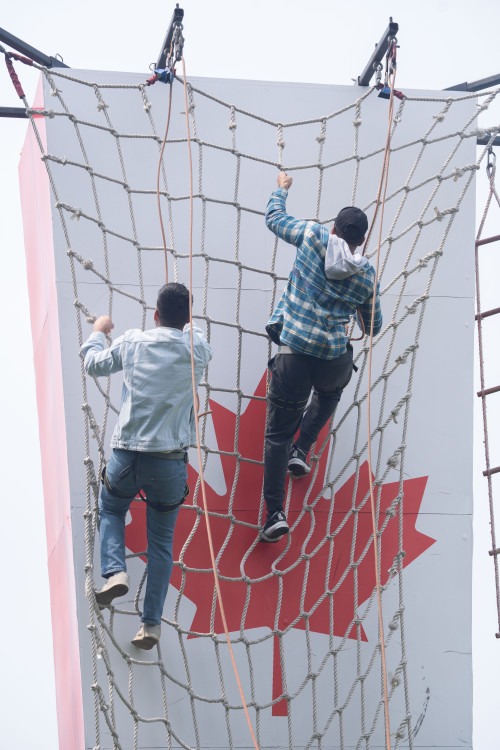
292 378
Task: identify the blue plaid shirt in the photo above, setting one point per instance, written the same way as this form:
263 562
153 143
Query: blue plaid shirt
312 313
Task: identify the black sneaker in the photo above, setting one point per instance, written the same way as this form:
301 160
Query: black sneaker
275 527
297 463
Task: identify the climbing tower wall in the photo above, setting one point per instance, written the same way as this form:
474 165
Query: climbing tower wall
94 246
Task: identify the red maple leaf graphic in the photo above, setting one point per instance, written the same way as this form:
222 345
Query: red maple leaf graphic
317 561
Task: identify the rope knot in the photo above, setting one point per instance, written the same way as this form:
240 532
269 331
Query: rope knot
393 461
280 141
232 122
413 307
447 212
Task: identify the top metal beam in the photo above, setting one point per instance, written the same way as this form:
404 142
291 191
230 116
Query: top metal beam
479 85
380 50
482 83
13 112
29 51
177 17
484 140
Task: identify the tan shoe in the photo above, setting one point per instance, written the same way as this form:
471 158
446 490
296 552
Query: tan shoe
147 637
116 585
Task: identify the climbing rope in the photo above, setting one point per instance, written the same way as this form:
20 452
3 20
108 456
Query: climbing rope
380 203
197 425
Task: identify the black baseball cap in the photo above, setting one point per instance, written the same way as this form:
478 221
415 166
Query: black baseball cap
352 224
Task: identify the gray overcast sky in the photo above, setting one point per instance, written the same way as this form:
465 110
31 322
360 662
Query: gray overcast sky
442 42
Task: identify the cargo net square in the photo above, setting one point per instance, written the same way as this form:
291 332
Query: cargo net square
334 637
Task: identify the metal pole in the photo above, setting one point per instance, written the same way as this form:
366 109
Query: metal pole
13 112
177 17
380 50
31 52
482 83
484 140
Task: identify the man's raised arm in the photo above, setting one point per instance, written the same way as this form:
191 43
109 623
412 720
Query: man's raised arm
277 220
100 360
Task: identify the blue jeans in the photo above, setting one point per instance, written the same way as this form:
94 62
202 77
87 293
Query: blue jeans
163 481
292 378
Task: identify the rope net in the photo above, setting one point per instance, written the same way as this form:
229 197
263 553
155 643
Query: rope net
303 613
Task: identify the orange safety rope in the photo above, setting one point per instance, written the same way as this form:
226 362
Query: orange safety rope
197 427
380 203
158 180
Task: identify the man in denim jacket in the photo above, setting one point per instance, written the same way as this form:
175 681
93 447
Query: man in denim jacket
309 325
154 429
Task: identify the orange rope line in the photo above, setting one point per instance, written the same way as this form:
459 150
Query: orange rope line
380 202
361 323
384 166
197 427
158 183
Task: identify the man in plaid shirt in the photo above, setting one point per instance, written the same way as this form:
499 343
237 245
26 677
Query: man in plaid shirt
309 326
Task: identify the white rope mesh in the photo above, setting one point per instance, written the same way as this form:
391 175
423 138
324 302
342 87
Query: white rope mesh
319 580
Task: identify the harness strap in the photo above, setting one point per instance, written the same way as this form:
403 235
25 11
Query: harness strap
164 507
111 489
288 405
160 507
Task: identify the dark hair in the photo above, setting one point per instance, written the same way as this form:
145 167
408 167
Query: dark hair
173 305
351 225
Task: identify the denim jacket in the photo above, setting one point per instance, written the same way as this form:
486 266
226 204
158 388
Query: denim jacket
157 402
